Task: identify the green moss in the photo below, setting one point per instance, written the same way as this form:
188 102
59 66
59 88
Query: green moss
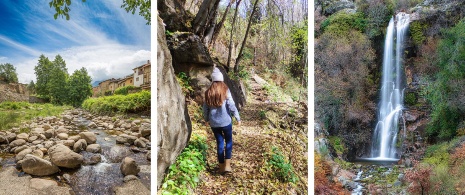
343 164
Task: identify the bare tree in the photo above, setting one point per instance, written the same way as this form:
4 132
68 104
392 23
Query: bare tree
231 37
220 25
239 57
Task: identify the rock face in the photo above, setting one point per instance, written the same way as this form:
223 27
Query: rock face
34 165
332 6
129 167
62 156
174 125
13 92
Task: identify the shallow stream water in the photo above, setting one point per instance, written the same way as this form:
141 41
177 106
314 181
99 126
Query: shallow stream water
101 178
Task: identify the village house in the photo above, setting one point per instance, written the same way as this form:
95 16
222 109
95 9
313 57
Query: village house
142 76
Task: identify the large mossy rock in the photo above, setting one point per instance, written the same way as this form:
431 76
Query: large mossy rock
174 125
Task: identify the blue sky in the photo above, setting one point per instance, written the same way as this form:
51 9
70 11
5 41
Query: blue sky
99 36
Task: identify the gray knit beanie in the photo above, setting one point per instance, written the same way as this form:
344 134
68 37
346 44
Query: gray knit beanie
217 75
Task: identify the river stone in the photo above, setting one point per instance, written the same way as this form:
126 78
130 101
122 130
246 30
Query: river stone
144 130
92 125
129 167
61 129
67 118
80 145
2 139
126 126
148 156
133 187
18 142
23 136
22 154
34 165
89 137
95 159
38 153
10 137
48 144
135 128
32 138
46 127
67 177
121 140
42 184
129 178
62 156
131 139
139 143
49 133
44 150
62 136
20 148
69 143
94 148
74 137
37 131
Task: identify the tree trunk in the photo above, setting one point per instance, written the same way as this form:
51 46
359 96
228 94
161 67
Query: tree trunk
204 17
239 57
219 26
231 37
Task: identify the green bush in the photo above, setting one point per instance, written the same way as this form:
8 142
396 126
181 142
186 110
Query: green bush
445 88
135 102
12 113
341 23
124 90
410 99
416 29
282 170
184 173
337 144
184 81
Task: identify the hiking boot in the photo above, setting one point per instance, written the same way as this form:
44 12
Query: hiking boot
222 166
227 166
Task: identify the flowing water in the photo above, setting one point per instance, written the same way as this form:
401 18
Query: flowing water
104 176
391 104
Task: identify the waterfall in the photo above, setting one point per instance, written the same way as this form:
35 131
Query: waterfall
391 104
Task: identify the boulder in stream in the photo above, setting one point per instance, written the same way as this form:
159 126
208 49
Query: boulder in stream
62 156
34 165
129 167
89 137
94 148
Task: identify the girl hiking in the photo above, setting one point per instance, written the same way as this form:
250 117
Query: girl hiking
217 110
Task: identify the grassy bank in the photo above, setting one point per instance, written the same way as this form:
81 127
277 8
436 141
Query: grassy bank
13 113
135 102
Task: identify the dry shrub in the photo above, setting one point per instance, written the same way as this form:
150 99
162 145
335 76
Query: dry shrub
425 62
419 177
323 185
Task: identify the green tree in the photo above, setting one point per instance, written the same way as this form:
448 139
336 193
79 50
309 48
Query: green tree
79 87
8 73
62 8
445 93
57 82
31 87
43 76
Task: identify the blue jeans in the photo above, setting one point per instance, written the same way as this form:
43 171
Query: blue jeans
223 134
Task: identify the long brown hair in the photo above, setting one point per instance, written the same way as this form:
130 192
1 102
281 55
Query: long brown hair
216 94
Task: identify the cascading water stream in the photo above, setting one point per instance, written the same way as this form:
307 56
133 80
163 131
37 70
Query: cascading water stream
391 104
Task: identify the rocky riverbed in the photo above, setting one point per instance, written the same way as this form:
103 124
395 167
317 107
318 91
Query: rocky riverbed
76 153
